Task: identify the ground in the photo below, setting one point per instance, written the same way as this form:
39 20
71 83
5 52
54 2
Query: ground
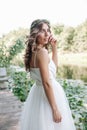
10 111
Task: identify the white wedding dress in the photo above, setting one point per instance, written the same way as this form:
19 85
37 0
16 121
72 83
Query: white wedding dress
37 113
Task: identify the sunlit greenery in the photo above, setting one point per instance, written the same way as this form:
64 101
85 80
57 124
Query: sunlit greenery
72 50
79 59
76 95
20 84
7 54
71 39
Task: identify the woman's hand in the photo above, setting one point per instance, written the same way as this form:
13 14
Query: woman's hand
52 41
57 116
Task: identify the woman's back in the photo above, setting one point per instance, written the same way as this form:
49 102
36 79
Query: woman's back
35 57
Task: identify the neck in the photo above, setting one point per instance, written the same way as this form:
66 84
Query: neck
39 46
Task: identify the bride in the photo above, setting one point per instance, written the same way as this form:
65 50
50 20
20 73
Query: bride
46 107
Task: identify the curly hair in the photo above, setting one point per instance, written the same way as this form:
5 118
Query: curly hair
34 29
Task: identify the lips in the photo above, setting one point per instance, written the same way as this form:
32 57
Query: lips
46 39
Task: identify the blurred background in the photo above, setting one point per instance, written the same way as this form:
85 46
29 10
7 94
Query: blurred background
69 24
68 19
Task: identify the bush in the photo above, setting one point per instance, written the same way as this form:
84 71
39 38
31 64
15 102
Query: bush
21 85
7 54
76 94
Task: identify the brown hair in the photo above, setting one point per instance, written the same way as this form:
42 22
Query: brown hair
34 29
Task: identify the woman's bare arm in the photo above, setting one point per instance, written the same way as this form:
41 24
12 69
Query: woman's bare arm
43 61
53 43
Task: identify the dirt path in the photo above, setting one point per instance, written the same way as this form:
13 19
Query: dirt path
10 110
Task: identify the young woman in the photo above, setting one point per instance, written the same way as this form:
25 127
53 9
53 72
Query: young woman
46 107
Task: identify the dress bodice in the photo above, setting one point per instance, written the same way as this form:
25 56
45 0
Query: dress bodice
35 72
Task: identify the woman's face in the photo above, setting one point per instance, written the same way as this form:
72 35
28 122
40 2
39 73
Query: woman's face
43 35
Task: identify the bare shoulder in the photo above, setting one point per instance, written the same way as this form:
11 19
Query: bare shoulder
43 55
43 51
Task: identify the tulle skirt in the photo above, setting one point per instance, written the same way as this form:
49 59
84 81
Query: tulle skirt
37 113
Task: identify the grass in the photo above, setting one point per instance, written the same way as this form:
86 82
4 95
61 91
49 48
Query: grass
79 59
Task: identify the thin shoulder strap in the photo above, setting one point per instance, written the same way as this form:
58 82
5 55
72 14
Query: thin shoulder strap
35 59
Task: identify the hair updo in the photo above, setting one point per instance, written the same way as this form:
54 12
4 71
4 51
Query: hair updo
34 29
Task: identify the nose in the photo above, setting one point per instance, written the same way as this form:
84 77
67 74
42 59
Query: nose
46 33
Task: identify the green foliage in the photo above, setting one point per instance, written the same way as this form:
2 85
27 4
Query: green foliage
21 85
15 49
7 54
73 66
3 56
71 39
75 92
76 95
58 29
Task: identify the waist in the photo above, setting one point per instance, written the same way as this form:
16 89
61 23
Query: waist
39 83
